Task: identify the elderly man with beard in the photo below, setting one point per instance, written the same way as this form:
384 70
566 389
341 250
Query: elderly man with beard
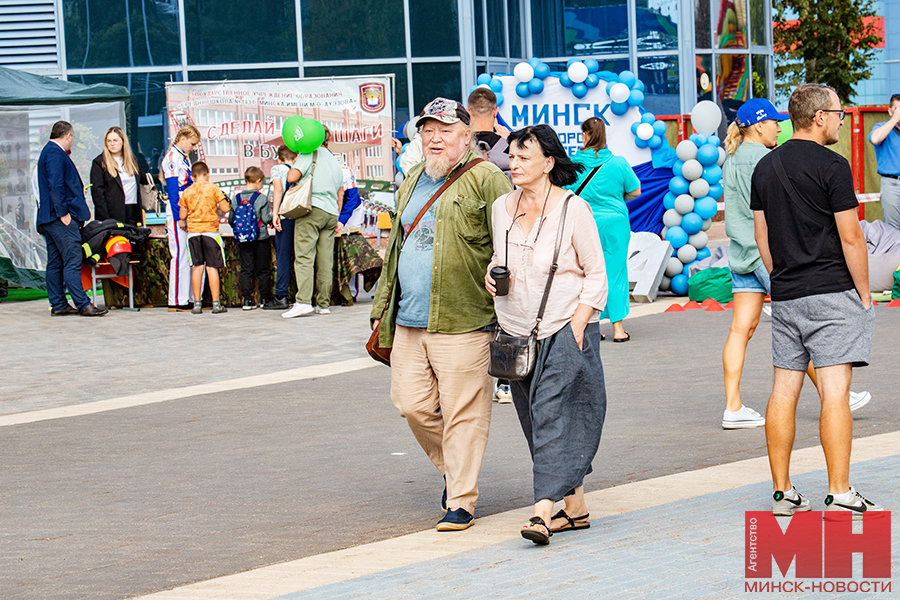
434 311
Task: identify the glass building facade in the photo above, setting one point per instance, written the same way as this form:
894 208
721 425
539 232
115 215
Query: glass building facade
683 51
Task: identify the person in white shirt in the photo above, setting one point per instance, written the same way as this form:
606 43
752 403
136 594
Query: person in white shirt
562 403
116 179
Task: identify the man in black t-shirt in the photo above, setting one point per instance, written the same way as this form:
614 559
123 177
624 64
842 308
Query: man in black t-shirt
808 233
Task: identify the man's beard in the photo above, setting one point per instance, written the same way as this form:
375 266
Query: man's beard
437 166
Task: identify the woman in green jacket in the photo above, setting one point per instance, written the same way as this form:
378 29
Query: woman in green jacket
612 182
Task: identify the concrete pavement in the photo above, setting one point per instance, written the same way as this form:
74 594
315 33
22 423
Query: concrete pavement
122 479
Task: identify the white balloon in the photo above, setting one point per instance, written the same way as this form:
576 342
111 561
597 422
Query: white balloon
524 72
578 72
665 284
687 253
692 169
619 92
674 267
686 150
671 218
662 233
699 188
645 132
722 156
706 117
411 129
684 204
707 223
698 240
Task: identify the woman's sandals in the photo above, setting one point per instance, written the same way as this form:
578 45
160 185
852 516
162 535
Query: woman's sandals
537 531
572 523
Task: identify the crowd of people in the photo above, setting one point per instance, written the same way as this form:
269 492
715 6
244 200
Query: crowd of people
483 197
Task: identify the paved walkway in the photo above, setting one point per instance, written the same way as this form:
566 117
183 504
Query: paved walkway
260 458
679 536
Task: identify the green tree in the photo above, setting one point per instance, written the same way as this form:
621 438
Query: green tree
823 42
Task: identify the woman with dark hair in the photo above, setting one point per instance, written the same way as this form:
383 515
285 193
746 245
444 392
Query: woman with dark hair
612 182
116 180
562 403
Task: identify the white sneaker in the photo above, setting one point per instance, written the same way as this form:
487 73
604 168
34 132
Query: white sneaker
323 311
298 310
745 418
782 506
503 395
859 399
857 504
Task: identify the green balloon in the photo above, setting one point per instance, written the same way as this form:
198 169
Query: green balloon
312 135
787 130
291 132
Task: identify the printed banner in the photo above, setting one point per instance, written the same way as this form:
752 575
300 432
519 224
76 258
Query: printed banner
558 107
240 121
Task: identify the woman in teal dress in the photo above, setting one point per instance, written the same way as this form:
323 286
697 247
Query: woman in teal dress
611 185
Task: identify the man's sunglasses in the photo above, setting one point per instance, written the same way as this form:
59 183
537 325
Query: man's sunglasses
842 113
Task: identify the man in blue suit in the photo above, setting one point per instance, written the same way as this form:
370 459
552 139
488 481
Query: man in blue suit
62 211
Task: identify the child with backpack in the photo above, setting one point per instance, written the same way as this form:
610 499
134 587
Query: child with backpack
250 216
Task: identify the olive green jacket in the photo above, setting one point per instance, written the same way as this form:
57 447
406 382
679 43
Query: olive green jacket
463 246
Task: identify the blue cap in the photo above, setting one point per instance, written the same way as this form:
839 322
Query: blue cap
756 110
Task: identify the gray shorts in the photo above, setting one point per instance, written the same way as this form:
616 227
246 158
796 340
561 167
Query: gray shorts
829 329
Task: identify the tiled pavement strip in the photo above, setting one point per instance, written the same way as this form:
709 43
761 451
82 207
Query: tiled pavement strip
677 536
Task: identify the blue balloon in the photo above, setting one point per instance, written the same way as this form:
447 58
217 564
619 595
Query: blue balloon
679 285
572 61
483 79
522 90
713 173
678 185
707 155
541 70
669 201
691 223
628 78
592 65
640 143
619 108
564 80
536 86
706 207
636 98
403 148
676 168
648 118
659 127
638 85
698 138
579 90
676 236
703 253
473 88
496 85
499 99
534 61
654 142
715 191
634 127
397 164
714 140
687 268
592 80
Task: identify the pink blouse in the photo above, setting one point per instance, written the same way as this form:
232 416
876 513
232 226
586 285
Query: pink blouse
580 277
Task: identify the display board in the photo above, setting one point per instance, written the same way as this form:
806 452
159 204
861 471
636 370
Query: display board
240 122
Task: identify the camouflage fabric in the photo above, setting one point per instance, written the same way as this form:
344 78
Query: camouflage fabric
352 255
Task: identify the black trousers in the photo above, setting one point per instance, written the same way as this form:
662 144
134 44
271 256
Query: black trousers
256 261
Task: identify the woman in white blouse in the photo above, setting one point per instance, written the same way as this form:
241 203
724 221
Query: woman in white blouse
116 180
562 404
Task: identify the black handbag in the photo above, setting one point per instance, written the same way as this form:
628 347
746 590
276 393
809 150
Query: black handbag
513 356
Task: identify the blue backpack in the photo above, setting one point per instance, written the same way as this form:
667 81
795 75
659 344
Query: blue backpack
245 224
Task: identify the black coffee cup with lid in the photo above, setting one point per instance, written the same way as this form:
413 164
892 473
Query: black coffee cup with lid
500 275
